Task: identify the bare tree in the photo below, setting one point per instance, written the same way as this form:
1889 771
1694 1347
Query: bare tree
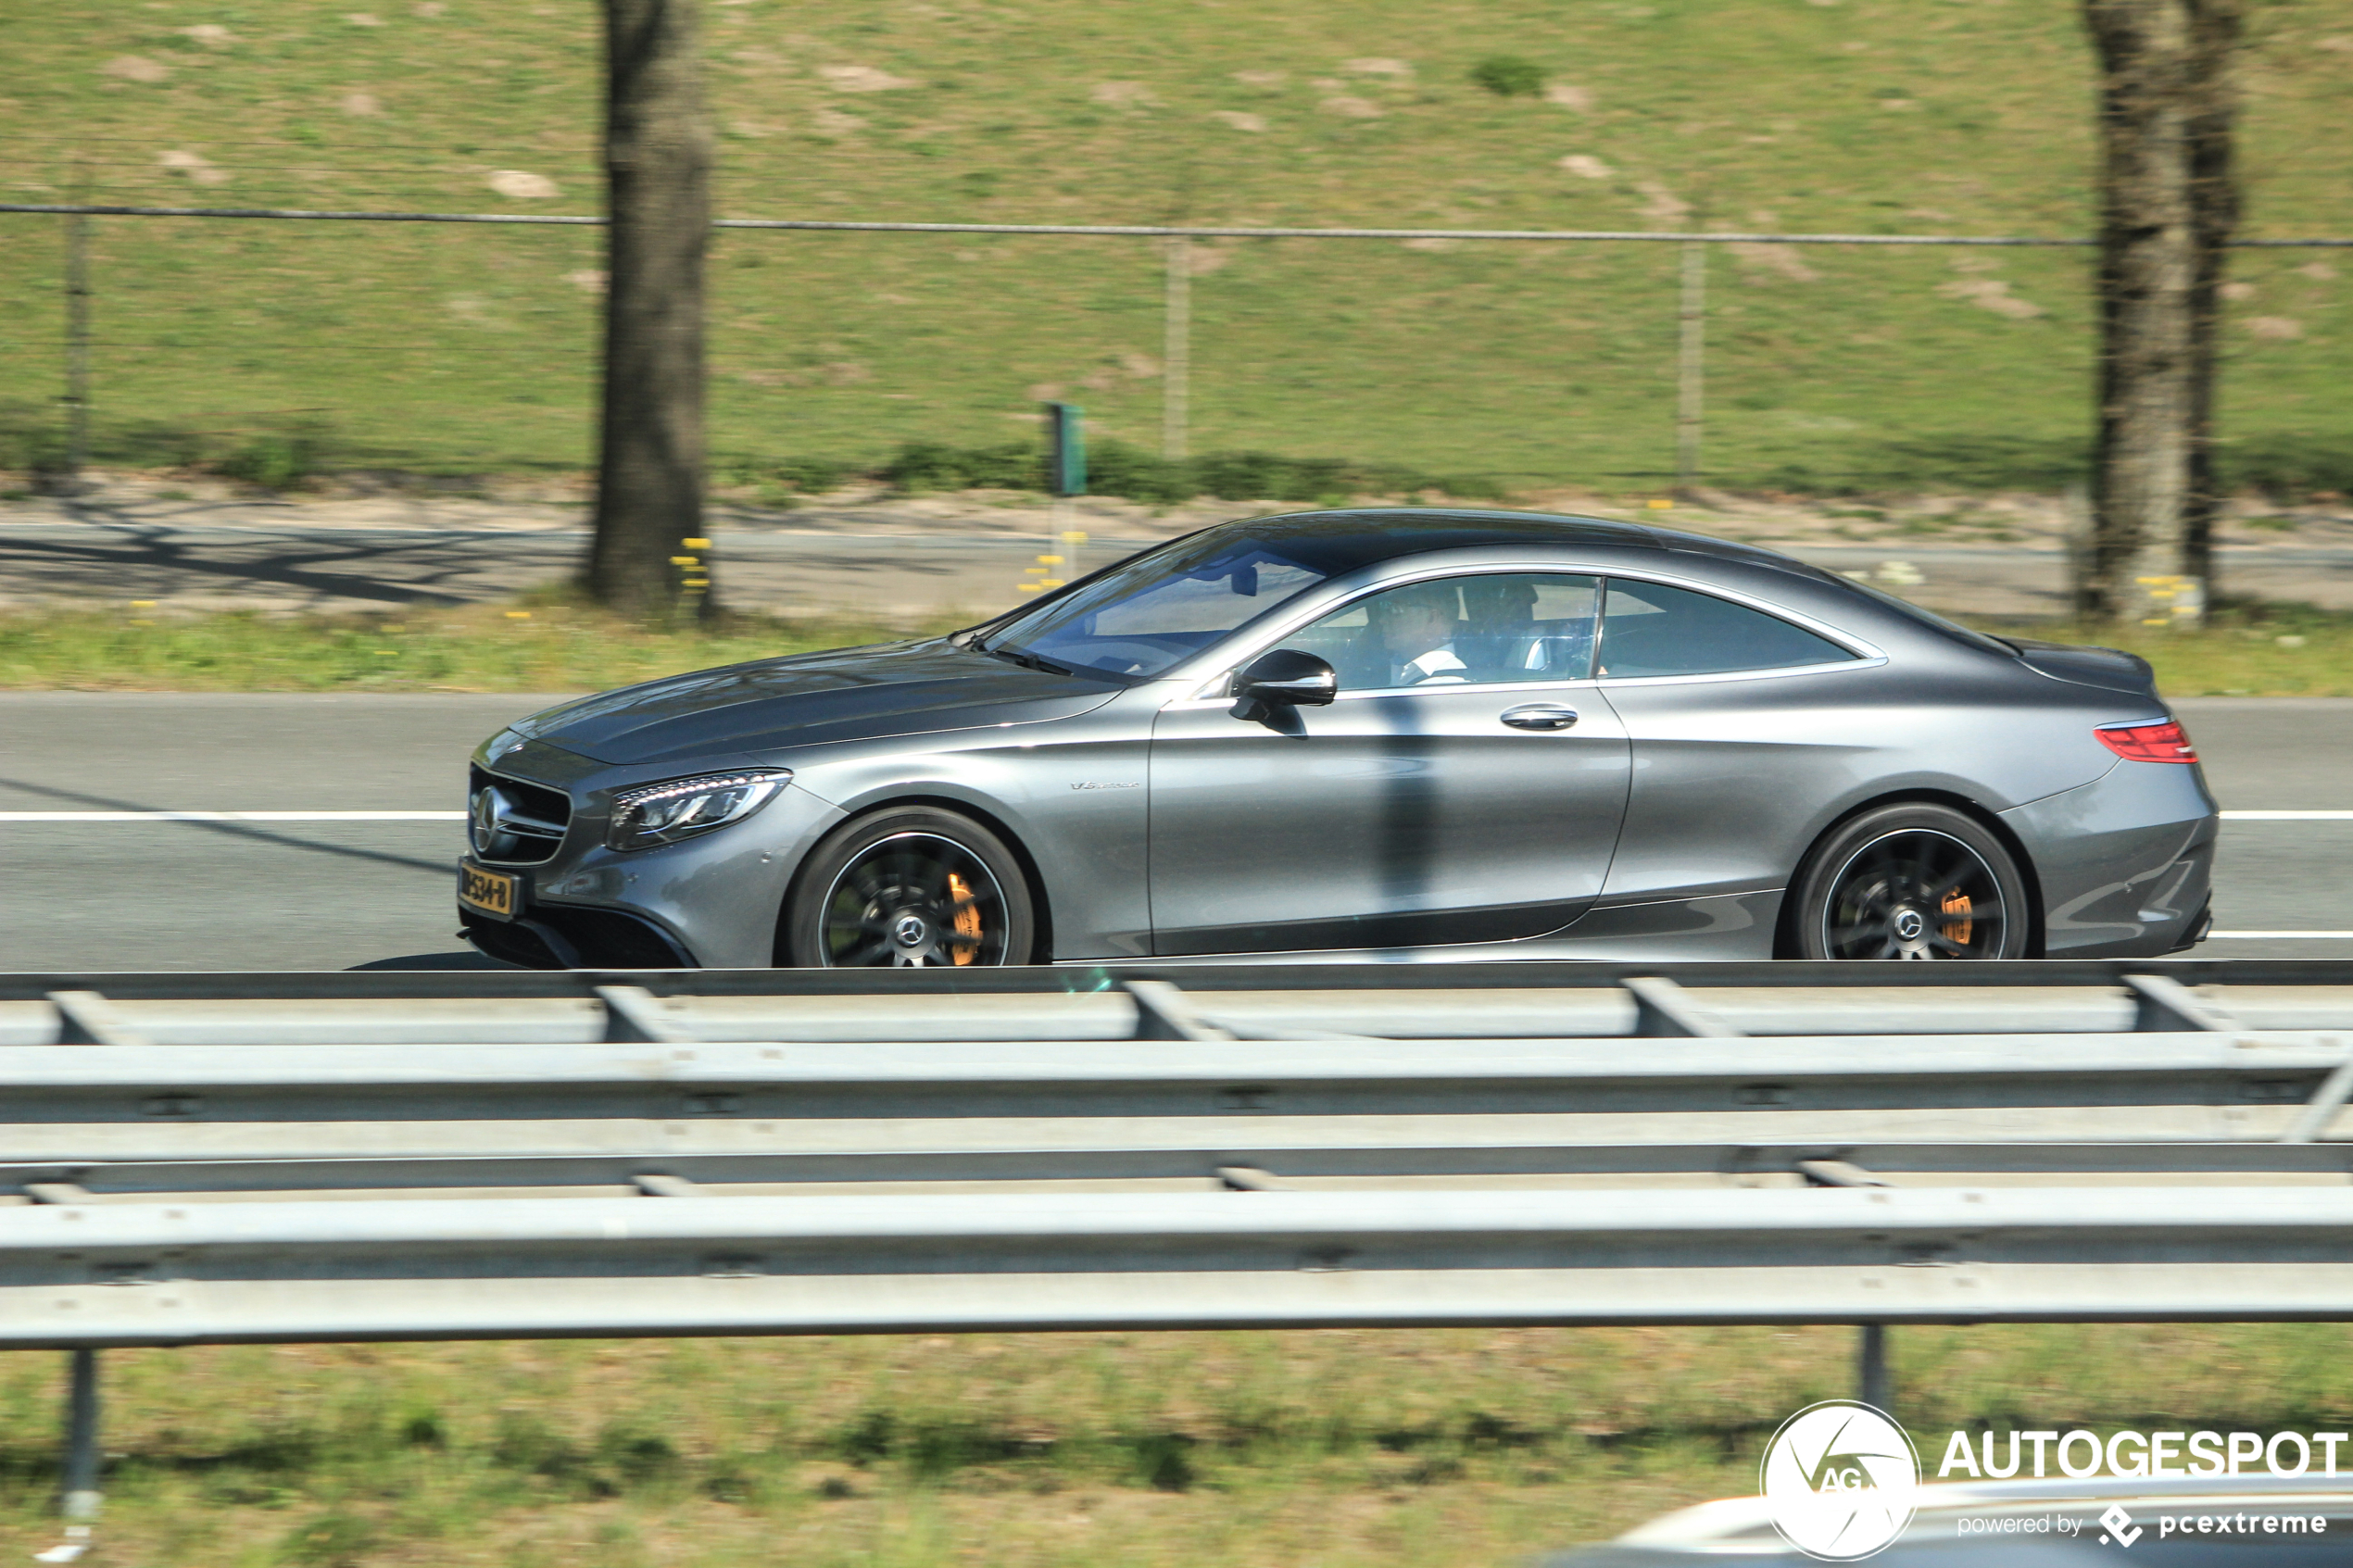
2167 211
658 156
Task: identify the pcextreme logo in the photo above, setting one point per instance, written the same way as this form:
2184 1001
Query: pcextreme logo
1840 1480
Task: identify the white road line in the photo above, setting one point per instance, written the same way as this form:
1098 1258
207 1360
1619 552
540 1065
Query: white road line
232 816
2280 937
2287 816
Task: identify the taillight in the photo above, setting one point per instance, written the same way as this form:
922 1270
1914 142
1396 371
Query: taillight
2147 743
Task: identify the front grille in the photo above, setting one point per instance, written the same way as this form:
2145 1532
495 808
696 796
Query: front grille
513 824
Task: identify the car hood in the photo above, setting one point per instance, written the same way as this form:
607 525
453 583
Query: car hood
849 694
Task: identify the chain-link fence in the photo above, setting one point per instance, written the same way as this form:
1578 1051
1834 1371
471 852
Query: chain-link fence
267 341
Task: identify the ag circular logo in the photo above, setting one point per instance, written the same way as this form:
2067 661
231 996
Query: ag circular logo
1840 1480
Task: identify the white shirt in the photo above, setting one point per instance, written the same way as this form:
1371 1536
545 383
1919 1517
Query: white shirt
1429 669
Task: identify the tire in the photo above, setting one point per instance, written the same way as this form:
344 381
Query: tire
1911 882
909 888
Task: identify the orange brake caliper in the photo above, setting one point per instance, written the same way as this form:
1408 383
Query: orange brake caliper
1957 924
967 922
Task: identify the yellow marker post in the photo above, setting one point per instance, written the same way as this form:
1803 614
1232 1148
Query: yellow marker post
684 561
696 544
1658 504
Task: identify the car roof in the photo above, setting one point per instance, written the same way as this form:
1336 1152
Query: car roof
1346 540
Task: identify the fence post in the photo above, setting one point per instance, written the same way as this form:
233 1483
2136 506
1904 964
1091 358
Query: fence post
1690 367
1176 350
77 343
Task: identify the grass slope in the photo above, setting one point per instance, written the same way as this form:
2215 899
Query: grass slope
1396 1449
459 348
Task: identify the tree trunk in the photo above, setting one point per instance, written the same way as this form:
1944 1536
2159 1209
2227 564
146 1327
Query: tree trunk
2164 74
650 479
2214 213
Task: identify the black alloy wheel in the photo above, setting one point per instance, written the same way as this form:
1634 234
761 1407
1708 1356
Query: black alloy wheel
908 889
1917 882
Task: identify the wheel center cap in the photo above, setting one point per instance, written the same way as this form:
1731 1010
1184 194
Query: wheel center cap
910 930
1909 925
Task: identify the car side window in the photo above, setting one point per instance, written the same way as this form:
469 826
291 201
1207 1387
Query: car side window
1649 629
1460 631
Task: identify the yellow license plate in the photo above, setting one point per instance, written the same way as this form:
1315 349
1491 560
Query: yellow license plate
494 893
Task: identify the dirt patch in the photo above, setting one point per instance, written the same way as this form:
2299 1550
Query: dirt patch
1758 258
212 35
1991 294
519 185
1239 120
1124 95
193 166
1376 65
362 106
861 79
1569 98
1661 206
2279 329
136 68
1348 107
1585 166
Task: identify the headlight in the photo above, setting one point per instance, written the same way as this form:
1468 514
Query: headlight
665 813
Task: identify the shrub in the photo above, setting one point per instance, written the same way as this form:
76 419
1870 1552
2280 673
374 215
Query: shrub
935 465
274 461
1509 76
1117 469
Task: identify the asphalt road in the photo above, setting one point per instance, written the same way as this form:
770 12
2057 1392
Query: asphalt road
325 893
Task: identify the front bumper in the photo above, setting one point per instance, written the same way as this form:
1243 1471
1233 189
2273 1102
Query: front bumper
710 902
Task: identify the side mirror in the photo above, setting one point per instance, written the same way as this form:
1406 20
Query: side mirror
1287 678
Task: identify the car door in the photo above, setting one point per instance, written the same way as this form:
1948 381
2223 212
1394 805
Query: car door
1469 793
1742 723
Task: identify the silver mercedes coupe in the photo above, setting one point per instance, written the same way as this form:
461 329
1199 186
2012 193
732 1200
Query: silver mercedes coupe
1384 735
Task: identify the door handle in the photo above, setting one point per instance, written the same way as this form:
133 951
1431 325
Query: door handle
1541 716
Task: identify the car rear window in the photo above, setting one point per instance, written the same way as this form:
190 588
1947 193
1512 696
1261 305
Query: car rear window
1650 629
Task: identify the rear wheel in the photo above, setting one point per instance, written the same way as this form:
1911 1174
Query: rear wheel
1911 882
910 888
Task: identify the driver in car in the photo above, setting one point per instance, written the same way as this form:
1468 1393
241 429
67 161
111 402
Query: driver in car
1414 629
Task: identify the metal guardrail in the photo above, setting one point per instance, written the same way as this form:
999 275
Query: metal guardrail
410 1156
154 1273
1096 1002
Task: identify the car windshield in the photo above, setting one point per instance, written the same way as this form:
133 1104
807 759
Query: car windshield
1142 616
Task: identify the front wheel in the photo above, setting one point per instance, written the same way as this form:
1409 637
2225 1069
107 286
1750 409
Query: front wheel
1911 882
907 889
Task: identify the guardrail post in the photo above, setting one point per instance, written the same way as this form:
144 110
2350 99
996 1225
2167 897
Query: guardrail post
81 1497
1871 1368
